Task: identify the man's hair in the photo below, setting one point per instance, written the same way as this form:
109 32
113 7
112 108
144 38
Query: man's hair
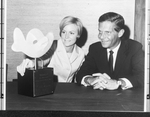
114 18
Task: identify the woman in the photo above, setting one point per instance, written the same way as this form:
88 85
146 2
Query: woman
68 57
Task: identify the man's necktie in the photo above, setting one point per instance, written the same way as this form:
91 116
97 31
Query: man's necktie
111 61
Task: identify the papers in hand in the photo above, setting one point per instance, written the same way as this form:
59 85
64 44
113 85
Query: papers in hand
34 45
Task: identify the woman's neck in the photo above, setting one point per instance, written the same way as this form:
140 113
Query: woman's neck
69 49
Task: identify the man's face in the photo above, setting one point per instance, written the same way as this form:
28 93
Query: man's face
108 36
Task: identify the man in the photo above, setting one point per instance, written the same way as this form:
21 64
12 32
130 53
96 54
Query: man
126 69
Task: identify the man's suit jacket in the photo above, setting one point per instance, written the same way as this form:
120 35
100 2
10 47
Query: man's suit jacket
65 68
129 62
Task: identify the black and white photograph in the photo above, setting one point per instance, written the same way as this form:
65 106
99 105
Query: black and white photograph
70 56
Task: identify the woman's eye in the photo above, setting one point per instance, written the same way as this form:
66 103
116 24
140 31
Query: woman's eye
63 31
100 33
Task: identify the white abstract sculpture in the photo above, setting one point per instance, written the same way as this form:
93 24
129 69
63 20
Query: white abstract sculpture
34 45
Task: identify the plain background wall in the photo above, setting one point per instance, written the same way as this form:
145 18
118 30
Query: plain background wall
148 53
47 14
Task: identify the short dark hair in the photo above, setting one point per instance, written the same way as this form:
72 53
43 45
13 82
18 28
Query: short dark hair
114 18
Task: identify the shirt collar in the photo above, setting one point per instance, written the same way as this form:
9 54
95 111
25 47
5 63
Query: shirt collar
115 49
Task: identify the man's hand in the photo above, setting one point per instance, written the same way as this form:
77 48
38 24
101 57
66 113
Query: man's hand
103 81
111 84
90 79
100 82
96 79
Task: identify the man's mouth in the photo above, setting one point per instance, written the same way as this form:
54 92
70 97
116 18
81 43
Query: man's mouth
105 41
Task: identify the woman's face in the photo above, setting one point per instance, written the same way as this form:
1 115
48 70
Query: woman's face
69 35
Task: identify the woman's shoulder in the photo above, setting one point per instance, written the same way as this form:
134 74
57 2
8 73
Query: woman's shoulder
80 50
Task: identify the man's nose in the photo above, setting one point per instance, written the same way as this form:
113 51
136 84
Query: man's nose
101 36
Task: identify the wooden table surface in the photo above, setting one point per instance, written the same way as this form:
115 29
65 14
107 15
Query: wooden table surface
71 97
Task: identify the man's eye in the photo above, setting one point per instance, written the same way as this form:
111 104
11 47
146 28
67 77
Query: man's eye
108 32
71 33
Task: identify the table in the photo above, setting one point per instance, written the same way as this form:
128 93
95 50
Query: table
72 97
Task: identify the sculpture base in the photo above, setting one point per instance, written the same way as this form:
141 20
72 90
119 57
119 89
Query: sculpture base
36 82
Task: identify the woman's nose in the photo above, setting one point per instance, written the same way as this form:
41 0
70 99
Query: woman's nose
66 35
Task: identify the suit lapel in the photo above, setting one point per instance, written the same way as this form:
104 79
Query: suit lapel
101 56
61 53
121 57
74 54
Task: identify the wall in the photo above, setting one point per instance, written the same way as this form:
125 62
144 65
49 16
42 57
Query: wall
2 55
148 55
139 24
47 14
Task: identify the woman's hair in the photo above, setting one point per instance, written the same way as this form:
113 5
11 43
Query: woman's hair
114 18
71 20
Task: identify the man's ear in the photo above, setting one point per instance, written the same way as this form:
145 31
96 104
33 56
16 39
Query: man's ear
78 36
121 32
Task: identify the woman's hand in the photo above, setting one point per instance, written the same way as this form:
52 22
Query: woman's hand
27 63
